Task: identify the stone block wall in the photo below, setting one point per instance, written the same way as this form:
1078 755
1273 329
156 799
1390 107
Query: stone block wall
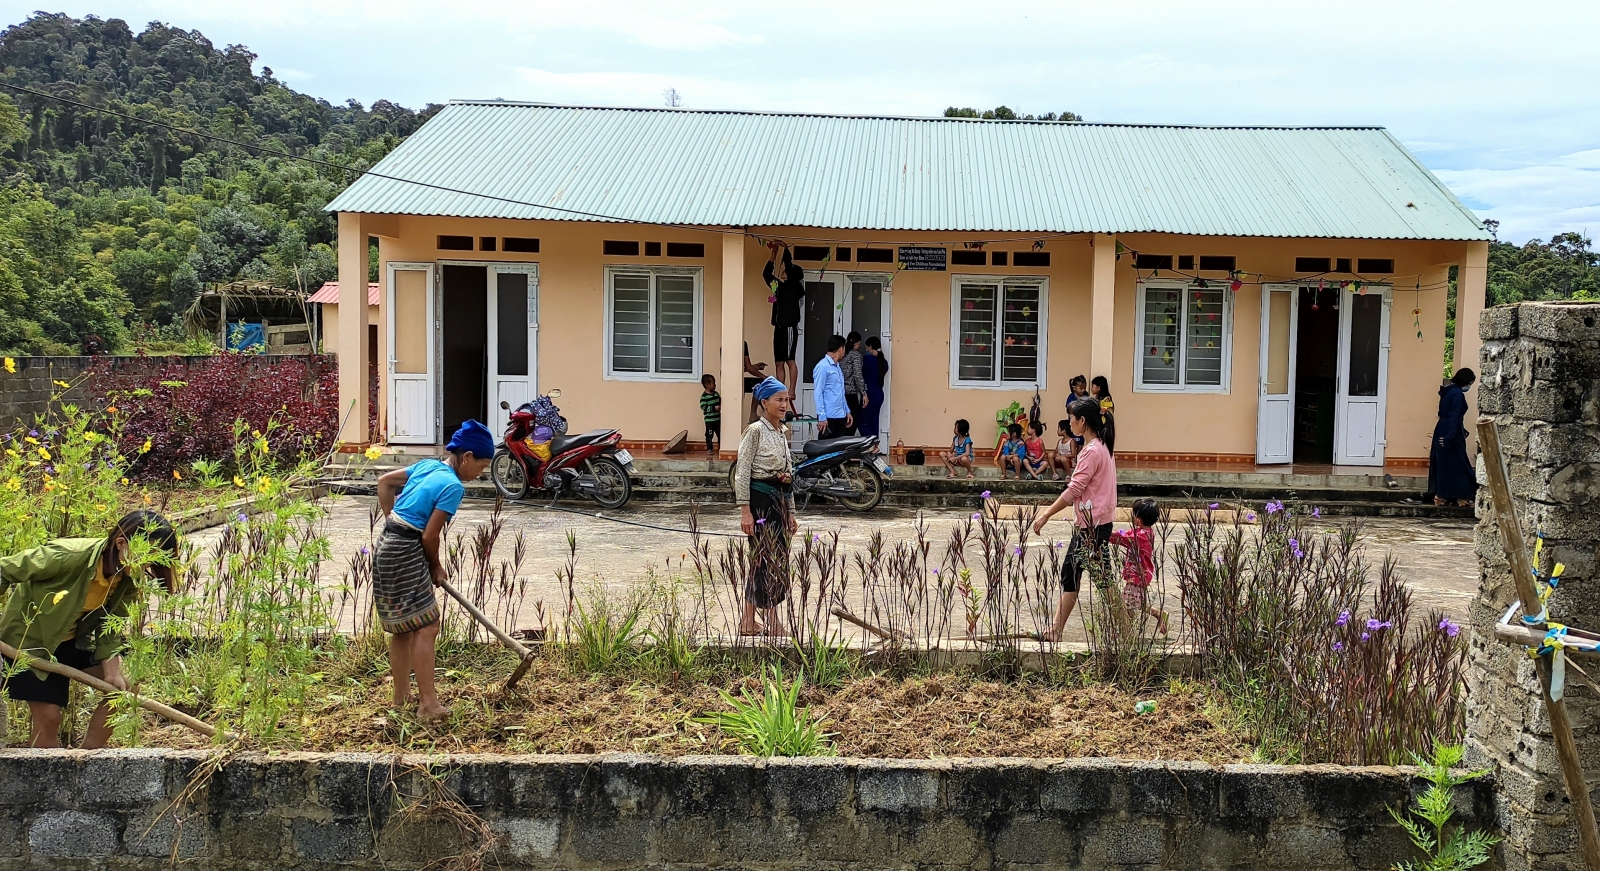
122 809
1540 380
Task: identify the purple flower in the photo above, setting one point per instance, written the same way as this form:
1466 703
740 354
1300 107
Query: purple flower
1060 544
976 516
1374 624
1212 507
1016 551
760 520
984 495
1250 516
365 551
1274 507
34 433
242 519
936 570
1448 628
816 536
1294 546
1316 512
1338 646
1344 617
1365 636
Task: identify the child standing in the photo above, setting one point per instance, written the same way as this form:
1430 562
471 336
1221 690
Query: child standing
1100 391
960 453
710 408
1140 567
1034 460
418 502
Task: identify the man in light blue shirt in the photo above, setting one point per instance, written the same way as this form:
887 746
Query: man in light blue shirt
827 380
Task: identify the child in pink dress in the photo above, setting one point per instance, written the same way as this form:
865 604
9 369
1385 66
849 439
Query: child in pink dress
1139 569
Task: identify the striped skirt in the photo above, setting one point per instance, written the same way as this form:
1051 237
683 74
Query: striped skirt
402 581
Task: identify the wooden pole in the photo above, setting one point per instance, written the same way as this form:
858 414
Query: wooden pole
842 614
151 705
1522 573
526 655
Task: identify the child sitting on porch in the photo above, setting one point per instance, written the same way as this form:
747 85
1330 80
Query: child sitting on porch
1065 456
960 453
1034 459
1139 569
1009 456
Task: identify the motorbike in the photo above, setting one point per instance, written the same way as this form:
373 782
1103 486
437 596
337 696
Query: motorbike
589 464
847 470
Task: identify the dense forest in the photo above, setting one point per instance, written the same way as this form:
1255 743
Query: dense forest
110 226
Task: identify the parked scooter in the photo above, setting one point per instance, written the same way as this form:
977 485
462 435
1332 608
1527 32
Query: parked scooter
847 470
590 464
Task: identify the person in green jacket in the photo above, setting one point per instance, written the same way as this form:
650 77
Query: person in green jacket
59 597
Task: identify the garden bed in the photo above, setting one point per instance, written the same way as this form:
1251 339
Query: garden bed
560 709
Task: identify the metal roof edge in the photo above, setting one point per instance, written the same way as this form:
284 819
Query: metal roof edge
522 104
1443 188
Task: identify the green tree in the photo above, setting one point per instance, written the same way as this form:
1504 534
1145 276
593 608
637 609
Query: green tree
1004 113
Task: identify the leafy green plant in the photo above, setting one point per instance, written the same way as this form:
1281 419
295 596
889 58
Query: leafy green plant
773 724
61 476
1428 824
827 662
604 632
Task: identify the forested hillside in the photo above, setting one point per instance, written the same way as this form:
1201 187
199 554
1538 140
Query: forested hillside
110 226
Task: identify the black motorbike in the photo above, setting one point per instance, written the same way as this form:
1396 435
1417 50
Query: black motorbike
847 470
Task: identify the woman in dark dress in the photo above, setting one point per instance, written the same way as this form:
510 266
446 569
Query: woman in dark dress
1451 476
874 369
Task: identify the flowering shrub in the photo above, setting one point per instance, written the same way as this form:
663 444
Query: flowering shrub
59 476
185 410
1324 657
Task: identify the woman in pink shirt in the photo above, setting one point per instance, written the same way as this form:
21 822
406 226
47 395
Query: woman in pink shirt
1093 493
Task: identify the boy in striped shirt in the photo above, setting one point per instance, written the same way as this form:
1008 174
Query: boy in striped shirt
710 408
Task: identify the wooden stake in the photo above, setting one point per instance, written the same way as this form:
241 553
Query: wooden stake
1522 573
524 653
842 614
151 705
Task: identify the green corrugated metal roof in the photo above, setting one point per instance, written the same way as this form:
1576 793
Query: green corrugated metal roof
673 166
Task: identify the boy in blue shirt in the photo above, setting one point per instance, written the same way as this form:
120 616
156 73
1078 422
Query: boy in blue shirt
418 502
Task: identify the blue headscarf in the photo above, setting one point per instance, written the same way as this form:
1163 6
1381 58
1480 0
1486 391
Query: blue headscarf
475 437
768 388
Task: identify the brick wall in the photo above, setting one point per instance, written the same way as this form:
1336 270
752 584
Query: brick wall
114 809
1540 380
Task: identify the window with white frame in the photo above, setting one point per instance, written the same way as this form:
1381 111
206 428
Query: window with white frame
652 324
1185 331
997 331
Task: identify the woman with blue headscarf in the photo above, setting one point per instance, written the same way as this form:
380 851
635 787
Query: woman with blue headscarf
418 501
763 485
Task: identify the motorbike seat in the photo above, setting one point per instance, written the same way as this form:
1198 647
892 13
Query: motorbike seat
561 444
818 447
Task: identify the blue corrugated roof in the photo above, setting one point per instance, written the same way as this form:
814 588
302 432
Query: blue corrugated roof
750 169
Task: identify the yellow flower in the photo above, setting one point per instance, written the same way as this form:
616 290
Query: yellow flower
12 452
265 485
100 506
30 440
145 448
373 453
176 476
49 485
61 384
14 484
11 365
56 599
238 481
147 498
44 454
90 436
124 482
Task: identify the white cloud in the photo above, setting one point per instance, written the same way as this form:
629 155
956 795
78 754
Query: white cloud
1537 200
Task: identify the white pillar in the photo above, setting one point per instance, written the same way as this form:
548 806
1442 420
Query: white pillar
352 339
1472 285
730 382
1102 305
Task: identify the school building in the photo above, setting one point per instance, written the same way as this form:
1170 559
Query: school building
1253 294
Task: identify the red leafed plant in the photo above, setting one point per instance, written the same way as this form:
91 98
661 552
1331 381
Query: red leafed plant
182 409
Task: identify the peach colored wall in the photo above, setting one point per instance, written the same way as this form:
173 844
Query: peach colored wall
923 404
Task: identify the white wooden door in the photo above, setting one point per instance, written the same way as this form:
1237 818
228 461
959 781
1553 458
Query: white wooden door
1360 405
867 311
1275 405
820 318
411 353
513 339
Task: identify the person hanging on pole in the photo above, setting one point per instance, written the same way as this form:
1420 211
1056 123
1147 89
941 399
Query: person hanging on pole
788 297
67 601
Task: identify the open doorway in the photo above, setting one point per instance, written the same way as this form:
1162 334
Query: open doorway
1316 374
465 352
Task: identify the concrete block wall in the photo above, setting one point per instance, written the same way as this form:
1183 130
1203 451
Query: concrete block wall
121 809
1540 380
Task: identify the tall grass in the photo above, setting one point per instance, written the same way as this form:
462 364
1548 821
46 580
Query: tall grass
1320 651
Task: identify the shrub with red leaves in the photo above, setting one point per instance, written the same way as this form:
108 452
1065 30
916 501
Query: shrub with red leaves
185 407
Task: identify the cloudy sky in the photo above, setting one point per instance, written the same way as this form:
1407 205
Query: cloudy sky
1497 98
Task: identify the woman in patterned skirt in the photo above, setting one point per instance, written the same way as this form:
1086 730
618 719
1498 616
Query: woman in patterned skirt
419 501
764 487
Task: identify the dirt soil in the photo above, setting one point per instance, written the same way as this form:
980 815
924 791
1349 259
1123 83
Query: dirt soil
944 715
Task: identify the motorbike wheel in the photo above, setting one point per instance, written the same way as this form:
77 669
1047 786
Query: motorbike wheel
864 476
733 472
615 487
509 476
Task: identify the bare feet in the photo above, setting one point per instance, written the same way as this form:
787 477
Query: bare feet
433 713
1050 635
971 476
752 629
1161 624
